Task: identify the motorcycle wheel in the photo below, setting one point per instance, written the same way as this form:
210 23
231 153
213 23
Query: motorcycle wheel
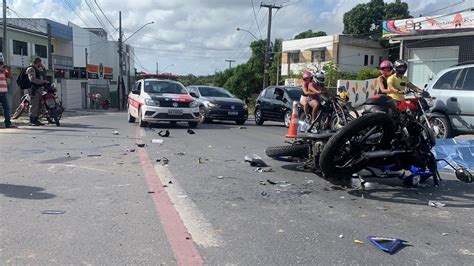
56 121
295 150
342 154
19 110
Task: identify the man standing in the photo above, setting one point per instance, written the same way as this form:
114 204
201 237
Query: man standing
4 75
34 72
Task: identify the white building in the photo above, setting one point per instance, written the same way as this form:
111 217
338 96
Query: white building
348 53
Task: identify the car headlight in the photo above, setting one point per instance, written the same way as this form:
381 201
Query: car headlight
152 102
212 105
194 104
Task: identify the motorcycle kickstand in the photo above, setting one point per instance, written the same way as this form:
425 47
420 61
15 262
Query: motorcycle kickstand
362 183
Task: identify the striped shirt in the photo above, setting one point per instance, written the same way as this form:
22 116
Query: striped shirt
4 74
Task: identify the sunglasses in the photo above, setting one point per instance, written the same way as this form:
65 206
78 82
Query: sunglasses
307 78
386 69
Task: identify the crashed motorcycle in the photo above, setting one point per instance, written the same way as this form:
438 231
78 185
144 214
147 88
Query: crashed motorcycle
390 139
51 107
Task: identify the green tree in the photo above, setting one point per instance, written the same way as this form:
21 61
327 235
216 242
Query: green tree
367 73
309 34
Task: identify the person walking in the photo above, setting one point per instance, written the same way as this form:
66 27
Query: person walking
34 72
4 75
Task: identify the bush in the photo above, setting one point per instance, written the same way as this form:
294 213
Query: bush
367 73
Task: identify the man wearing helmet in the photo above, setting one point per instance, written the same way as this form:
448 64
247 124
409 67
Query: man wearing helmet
386 70
312 88
397 83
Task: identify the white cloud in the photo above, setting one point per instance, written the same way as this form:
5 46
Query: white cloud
187 26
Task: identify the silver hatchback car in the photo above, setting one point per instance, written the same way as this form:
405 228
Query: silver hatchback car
453 108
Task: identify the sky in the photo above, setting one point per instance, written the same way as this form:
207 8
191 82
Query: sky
197 36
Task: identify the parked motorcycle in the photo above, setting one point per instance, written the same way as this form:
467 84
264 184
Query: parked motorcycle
51 107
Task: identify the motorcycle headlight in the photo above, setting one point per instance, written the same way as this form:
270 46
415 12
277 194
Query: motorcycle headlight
212 105
194 104
152 102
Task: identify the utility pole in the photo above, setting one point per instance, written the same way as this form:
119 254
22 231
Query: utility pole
230 62
157 70
87 77
50 60
269 30
120 83
6 56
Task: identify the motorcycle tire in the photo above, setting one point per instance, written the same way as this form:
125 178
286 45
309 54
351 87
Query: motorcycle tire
295 150
328 159
19 110
56 121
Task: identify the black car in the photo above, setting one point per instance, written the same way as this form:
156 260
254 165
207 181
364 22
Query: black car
218 104
275 104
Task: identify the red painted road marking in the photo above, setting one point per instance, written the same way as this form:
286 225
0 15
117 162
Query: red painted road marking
183 247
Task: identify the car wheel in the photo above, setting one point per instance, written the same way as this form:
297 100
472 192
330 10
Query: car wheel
193 124
258 117
240 122
442 127
287 118
130 118
141 123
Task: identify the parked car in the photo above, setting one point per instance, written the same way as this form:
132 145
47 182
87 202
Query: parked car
454 104
275 104
156 100
218 104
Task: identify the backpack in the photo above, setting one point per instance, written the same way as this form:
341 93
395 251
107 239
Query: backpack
23 81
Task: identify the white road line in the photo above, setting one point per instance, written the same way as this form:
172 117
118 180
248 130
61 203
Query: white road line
52 166
201 230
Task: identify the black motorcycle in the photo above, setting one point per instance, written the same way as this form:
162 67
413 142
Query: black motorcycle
53 108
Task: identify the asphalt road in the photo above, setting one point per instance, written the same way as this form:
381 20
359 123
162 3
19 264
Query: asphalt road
79 194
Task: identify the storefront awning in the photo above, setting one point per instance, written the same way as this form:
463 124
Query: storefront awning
316 49
291 51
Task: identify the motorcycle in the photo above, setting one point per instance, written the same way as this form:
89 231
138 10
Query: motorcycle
51 107
389 139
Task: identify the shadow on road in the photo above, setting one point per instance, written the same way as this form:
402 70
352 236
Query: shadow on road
24 192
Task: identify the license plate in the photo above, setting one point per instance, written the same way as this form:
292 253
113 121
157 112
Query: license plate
233 113
175 112
51 103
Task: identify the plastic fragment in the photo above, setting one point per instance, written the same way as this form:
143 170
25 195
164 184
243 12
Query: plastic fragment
115 132
436 204
190 132
358 241
157 141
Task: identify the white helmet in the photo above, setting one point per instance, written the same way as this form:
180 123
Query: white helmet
319 77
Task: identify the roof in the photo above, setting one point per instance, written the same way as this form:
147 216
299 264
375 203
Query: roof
158 76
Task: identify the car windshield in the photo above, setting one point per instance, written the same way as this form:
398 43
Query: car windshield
294 93
156 86
214 92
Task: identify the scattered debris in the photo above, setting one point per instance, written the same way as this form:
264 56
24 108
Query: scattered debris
263 170
170 182
151 192
358 241
445 234
341 197
281 231
341 236
309 182
94 155
158 141
389 245
181 196
180 153
191 132
262 183
158 160
164 161
242 127
130 150
255 161
115 132
265 194
384 208
220 177
53 212
140 145
164 134
231 160
436 204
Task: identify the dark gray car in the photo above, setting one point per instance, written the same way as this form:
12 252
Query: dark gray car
218 104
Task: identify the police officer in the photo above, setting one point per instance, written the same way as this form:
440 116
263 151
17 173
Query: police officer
34 72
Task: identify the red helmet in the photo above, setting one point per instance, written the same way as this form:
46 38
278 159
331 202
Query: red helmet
386 68
386 64
307 75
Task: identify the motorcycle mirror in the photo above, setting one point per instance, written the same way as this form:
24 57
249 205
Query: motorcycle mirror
464 175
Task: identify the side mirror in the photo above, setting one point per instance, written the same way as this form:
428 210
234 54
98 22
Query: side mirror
464 175
136 92
193 94
285 100
279 97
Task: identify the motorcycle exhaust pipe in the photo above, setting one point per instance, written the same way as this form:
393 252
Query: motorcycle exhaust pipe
382 154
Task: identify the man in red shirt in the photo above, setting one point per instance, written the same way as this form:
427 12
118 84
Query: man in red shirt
4 75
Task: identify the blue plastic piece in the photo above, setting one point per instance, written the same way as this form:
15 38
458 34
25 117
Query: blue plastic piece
389 245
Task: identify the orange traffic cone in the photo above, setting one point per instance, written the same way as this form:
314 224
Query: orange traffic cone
293 128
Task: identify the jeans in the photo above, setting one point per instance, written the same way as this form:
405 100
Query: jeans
6 108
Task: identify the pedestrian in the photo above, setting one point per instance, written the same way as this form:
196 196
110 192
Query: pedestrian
35 75
4 75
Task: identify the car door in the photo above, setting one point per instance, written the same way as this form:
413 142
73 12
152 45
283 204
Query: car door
279 104
266 104
134 99
463 98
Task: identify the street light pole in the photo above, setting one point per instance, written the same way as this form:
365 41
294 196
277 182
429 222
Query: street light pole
6 56
239 29
267 53
151 22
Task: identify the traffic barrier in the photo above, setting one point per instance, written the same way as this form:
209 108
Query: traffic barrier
293 128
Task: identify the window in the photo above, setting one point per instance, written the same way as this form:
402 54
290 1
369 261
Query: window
269 93
1 44
214 92
20 48
446 81
138 86
152 86
294 58
366 60
318 56
371 60
41 51
466 80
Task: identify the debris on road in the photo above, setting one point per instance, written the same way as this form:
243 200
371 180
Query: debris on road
255 161
164 134
263 170
130 150
115 132
436 204
389 245
157 141
140 145
310 181
181 196
191 132
151 192
53 212
265 194
445 234
341 236
181 153
242 127
220 177
94 155
164 161
262 183
358 241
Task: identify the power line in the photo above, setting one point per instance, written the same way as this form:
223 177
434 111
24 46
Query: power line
70 5
255 15
455 4
100 9
95 15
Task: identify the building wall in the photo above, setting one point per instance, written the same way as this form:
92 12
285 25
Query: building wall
71 93
352 58
465 43
31 40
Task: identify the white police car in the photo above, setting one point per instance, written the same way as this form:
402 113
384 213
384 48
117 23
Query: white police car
155 100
